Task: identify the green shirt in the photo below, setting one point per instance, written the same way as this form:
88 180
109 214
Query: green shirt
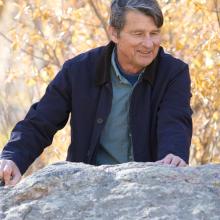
116 139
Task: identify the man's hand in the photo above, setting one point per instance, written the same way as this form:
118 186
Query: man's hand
173 160
9 172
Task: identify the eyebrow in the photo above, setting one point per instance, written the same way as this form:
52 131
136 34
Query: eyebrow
141 30
157 30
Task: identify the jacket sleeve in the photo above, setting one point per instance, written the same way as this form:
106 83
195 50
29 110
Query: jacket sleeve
174 125
31 135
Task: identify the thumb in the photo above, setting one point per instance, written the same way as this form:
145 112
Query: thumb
16 176
7 174
11 174
159 162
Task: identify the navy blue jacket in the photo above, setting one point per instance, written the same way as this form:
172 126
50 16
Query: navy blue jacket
160 113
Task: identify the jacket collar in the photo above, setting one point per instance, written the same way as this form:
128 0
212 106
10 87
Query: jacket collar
104 65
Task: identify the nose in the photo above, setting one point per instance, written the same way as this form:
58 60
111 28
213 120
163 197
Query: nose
147 42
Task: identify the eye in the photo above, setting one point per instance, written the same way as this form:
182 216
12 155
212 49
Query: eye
138 34
155 33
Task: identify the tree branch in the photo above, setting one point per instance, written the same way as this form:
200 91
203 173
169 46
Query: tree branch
217 11
23 50
102 20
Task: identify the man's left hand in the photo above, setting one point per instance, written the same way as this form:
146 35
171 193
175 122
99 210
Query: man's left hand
173 160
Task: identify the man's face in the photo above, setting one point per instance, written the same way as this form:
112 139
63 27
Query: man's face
137 43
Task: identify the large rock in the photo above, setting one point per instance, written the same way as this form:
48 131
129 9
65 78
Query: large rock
127 191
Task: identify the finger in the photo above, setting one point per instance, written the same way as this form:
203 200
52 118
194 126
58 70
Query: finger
15 180
2 164
182 164
7 174
175 161
167 159
159 162
16 177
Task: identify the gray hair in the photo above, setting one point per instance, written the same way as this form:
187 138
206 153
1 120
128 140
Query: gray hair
147 7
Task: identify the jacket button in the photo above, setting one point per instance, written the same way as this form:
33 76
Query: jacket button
130 158
100 120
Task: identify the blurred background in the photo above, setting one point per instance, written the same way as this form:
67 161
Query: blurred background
36 37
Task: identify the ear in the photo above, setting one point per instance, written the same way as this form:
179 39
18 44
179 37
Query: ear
113 34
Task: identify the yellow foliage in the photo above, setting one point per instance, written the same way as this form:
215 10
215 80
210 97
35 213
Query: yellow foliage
15 45
30 82
216 116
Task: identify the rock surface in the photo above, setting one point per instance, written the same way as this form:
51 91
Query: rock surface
67 191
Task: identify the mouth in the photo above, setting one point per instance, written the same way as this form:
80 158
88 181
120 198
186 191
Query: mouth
145 52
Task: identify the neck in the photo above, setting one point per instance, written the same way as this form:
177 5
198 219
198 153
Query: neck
127 68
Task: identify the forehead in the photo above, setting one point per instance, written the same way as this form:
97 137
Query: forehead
136 19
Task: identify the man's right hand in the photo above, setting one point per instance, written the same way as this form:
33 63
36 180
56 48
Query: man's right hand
9 172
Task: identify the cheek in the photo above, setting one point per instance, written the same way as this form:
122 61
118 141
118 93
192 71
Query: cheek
157 42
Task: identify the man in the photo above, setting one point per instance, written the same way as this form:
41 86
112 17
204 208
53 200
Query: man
128 101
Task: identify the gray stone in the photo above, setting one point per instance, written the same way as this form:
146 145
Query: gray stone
127 191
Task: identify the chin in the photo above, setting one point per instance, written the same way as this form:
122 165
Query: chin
146 64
